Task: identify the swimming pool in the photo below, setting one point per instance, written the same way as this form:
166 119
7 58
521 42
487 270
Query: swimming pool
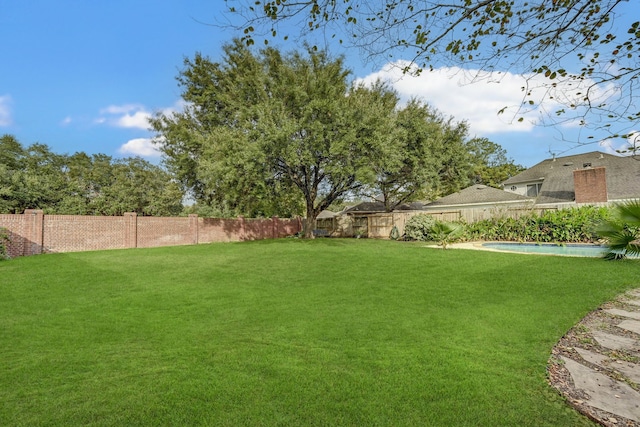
549 249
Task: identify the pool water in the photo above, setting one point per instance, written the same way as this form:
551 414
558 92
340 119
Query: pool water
549 249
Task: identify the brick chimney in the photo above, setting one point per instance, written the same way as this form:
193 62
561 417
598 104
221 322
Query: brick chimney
590 185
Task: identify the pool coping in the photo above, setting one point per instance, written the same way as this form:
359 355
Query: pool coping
479 246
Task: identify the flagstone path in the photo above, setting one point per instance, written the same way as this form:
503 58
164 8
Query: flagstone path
596 365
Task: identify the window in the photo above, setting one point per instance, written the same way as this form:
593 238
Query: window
533 189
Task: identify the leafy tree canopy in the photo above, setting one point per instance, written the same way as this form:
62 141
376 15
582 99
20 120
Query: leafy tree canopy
36 178
491 166
587 52
272 134
267 133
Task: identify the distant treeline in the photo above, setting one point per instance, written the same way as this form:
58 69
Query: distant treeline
34 177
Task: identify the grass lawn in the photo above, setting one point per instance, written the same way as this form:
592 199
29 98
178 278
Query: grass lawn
292 333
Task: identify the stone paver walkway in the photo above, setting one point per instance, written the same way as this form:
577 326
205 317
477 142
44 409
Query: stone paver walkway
596 366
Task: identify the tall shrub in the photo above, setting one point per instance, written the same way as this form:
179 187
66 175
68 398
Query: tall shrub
419 226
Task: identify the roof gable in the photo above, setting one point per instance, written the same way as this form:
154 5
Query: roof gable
478 194
373 207
622 175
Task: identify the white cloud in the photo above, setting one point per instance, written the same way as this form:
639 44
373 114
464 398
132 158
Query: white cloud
66 121
5 110
138 120
474 96
143 147
121 109
133 116
125 116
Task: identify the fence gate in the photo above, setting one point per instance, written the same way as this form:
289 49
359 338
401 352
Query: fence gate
380 226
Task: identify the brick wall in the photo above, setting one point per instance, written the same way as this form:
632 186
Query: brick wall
34 233
159 231
590 185
14 224
75 233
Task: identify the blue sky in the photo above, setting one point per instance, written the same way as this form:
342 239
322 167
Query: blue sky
81 75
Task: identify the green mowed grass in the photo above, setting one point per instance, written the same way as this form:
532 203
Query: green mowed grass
292 333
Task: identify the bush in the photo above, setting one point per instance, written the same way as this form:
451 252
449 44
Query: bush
574 225
419 227
4 241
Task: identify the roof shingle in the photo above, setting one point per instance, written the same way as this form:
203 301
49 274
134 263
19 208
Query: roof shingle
622 174
479 194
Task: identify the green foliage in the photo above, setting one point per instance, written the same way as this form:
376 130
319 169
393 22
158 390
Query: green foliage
4 241
78 184
491 166
424 227
540 37
207 211
271 134
428 156
574 225
418 227
622 231
266 134
395 233
446 232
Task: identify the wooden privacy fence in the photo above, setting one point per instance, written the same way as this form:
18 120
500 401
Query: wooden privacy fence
35 233
379 225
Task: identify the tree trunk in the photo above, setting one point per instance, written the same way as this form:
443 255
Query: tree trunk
308 225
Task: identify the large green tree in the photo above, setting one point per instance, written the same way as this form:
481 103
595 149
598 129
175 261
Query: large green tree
587 50
428 156
266 133
259 125
134 185
206 146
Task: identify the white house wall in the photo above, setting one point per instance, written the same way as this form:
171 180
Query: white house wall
520 188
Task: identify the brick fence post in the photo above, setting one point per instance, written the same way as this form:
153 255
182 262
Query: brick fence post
34 231
131 230
193 228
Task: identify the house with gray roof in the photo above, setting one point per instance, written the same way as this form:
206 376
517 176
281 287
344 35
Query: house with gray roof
480 196
478 202
589 178
593 177
377 206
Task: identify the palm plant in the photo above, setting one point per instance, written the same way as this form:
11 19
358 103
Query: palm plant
445 232
623 231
